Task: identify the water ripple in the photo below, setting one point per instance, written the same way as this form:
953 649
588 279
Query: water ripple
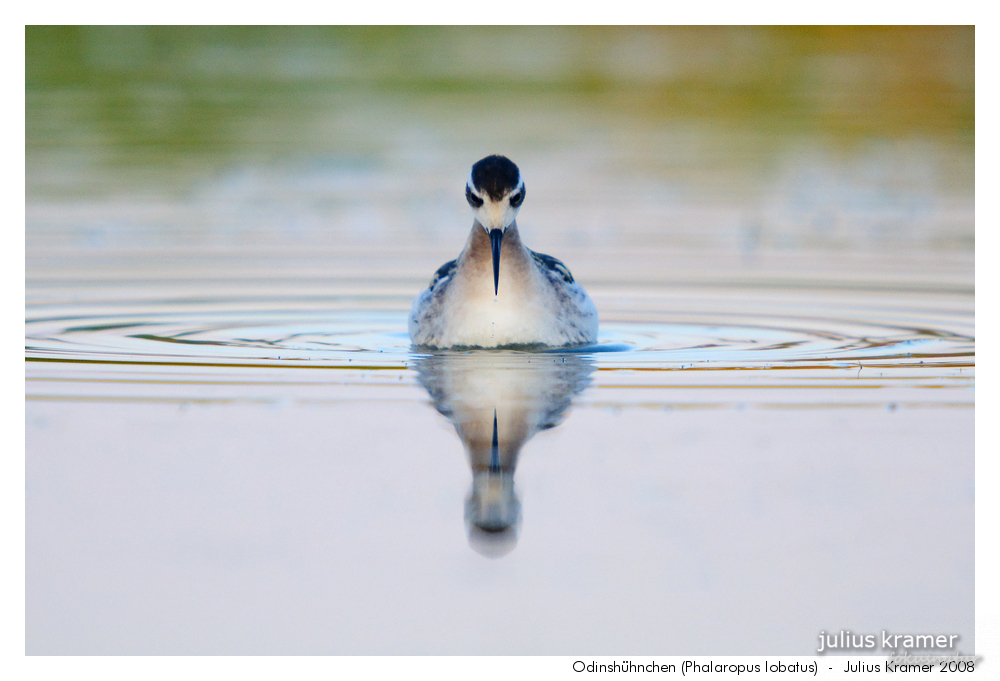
324 338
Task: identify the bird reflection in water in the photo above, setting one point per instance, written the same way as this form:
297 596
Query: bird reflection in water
497 400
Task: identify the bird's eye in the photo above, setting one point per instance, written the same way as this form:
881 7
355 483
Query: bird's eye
473 200
517 198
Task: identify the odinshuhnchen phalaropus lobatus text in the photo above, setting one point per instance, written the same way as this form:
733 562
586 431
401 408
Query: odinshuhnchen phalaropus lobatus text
530 298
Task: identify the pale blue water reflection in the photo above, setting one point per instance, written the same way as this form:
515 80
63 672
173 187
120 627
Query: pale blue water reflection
497 401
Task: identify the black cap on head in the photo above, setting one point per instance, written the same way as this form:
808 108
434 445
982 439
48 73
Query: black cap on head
496 175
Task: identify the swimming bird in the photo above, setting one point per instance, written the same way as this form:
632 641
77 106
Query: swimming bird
499 292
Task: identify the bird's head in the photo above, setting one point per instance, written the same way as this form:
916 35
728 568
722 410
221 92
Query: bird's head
495 192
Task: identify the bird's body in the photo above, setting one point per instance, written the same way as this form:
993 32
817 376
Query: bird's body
534 299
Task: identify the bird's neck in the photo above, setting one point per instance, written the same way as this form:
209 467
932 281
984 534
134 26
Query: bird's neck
478 246
476 261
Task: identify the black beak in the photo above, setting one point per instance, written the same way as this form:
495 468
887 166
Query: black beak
496 236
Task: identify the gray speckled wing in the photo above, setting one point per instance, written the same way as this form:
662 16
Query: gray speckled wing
443 272
552 265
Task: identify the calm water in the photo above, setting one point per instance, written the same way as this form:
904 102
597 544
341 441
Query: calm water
233 449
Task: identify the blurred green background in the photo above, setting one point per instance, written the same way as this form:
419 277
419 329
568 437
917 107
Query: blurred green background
663 119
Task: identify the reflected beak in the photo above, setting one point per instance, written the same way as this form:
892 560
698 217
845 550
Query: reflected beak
496 236
495 448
